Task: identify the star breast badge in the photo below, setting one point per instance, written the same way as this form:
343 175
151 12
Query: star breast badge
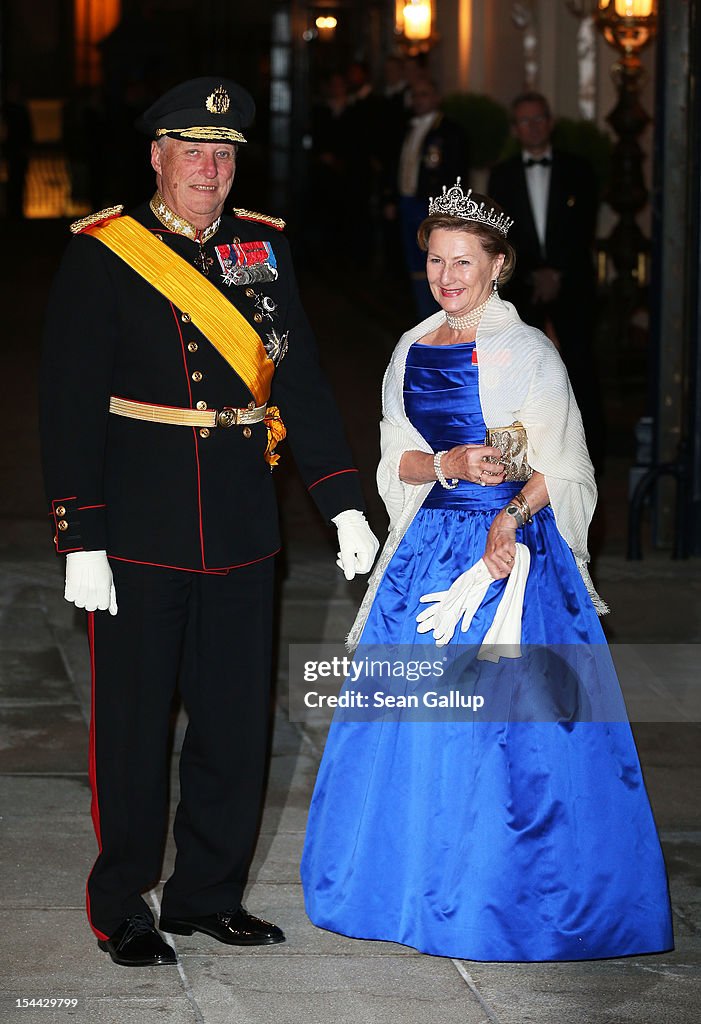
276 346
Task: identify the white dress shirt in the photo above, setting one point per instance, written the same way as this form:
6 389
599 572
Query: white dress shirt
538 185
411 150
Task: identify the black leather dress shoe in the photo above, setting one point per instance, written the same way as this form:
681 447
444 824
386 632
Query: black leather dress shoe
136 943
234 927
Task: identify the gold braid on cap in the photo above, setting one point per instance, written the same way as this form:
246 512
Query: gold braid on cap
205 134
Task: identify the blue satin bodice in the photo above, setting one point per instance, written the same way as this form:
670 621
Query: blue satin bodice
441 398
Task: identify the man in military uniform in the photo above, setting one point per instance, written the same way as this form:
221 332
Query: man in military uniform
172 336
433 151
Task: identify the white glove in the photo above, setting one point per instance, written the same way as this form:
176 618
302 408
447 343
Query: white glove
460 601
357 542
89 581
503 638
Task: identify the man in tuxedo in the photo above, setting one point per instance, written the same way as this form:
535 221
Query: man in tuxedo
553 199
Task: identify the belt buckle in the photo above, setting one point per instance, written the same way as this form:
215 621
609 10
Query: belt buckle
227 417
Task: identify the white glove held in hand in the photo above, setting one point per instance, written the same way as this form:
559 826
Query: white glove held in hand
357 542
89 581
460 601
503 639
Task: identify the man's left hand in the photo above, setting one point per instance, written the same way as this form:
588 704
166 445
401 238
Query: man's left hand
358 544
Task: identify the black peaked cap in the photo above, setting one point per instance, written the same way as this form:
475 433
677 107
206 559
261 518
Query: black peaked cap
209 109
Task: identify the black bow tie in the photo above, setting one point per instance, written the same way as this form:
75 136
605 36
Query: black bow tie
544 161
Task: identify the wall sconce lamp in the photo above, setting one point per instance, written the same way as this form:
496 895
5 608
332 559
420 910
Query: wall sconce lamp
417 20
628 25
414 24
326 26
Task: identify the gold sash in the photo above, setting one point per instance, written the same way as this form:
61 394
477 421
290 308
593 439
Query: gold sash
220 321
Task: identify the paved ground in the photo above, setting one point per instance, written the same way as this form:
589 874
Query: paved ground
46 839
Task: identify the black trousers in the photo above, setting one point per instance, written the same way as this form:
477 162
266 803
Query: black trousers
212 633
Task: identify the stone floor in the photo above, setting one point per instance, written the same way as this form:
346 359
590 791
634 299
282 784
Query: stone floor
46 838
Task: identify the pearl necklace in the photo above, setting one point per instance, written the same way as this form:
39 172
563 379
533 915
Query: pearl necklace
471 319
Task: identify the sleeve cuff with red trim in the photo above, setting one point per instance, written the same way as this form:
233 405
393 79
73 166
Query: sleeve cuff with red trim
78 527
337 492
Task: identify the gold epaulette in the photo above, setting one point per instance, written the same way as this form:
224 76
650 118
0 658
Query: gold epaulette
95 218
262 218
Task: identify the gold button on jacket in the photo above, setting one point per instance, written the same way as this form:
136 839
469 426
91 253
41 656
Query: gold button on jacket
62 524
197 376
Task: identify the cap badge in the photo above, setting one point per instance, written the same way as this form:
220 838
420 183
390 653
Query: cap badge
218 102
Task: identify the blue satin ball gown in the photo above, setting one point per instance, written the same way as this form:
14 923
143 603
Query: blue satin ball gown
514 840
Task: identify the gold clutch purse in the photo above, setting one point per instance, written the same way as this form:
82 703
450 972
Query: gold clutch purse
513 443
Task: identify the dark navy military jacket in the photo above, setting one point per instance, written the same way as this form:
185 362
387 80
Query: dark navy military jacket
168 494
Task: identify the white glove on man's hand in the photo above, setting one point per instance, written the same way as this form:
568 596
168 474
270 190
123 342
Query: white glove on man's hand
89 581
460 601
357 542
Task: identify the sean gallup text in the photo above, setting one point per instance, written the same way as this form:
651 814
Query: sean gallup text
381 699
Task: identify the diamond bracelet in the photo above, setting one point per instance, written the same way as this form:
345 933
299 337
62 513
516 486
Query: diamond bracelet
440 475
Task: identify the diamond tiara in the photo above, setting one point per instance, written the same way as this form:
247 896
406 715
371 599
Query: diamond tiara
456 203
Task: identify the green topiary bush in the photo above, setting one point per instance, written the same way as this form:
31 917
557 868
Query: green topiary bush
485 123
585 139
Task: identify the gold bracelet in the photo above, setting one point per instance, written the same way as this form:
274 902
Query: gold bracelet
521 502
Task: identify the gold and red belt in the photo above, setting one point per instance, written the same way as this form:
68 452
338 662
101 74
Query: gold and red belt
225 417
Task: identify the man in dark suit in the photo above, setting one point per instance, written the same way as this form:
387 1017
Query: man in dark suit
553 199
433 154
170 332
365 127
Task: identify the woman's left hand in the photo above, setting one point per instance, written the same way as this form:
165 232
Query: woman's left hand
500 549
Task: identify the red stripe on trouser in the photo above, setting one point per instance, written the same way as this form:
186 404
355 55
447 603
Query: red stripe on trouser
92 771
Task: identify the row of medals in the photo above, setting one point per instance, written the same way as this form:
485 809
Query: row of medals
276 344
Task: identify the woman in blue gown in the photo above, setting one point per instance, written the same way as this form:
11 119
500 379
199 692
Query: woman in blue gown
526 835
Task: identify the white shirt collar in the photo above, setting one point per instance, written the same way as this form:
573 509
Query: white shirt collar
423 119
547 155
